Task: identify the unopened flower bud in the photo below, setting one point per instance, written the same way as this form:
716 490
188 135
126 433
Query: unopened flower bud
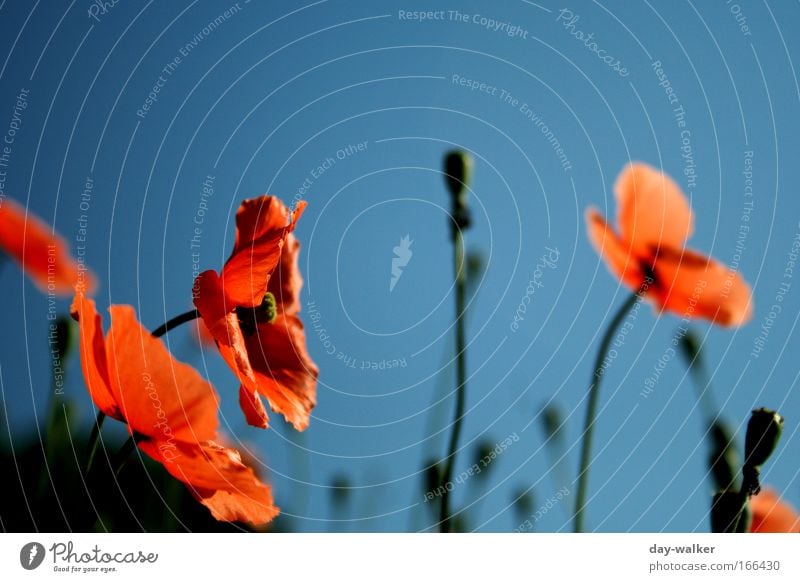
763 432
458 171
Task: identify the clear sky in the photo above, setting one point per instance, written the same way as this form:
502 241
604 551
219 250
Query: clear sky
351 106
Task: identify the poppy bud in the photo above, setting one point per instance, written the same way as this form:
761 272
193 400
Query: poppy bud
552 422
763 433
523 502
730 513
340 490
457 174
458 171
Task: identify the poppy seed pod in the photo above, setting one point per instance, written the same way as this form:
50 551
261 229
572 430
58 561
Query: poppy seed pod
729 514
458 172
763 433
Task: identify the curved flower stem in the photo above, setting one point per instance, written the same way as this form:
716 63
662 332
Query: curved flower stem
175 322
461 377
591 410
94 439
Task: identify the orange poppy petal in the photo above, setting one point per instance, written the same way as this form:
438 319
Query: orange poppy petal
652 211
159 396
218 479
261 226
286 281
285 373
772 515
695 286
42 254
253 408
93 355
617 254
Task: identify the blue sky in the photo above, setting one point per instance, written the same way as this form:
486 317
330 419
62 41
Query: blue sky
276 99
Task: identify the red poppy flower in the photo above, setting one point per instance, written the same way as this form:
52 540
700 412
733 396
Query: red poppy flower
654 221
170 410
42 254
772 515
251 310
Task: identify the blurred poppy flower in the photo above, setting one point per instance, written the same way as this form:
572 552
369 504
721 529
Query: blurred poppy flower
251 310
42 254
170 410
654 221
772 515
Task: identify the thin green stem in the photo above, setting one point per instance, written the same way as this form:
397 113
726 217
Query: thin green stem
461 377
175 322
123 455
591 410
94 439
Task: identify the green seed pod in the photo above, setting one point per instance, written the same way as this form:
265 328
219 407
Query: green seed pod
458 172
763 433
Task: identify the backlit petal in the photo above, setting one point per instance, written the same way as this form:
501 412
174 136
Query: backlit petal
694 286
218 479
618 256
160 397
93 355
285 373
772 515
41 253
652 212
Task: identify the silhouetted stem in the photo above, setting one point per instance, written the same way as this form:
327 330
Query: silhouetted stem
461 377
94 439
591 411
175 322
